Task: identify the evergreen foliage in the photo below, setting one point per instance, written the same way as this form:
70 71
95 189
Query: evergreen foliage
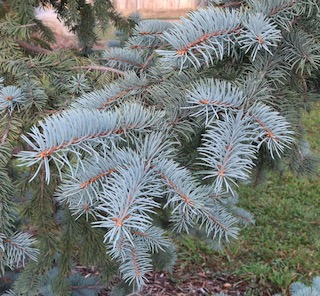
191 110
299 289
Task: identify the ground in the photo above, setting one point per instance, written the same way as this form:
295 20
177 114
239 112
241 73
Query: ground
198 280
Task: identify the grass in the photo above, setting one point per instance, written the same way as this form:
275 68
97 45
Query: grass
284 244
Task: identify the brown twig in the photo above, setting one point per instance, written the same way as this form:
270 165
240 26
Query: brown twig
6 132
305 89
231 4
34 48
5 135
99 68
88 287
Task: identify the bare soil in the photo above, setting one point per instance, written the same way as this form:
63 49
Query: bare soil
200 280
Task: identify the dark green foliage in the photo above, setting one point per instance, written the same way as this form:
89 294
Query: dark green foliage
80 17
45 81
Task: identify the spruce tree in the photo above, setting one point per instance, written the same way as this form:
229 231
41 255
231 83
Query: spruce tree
109 169
300 289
